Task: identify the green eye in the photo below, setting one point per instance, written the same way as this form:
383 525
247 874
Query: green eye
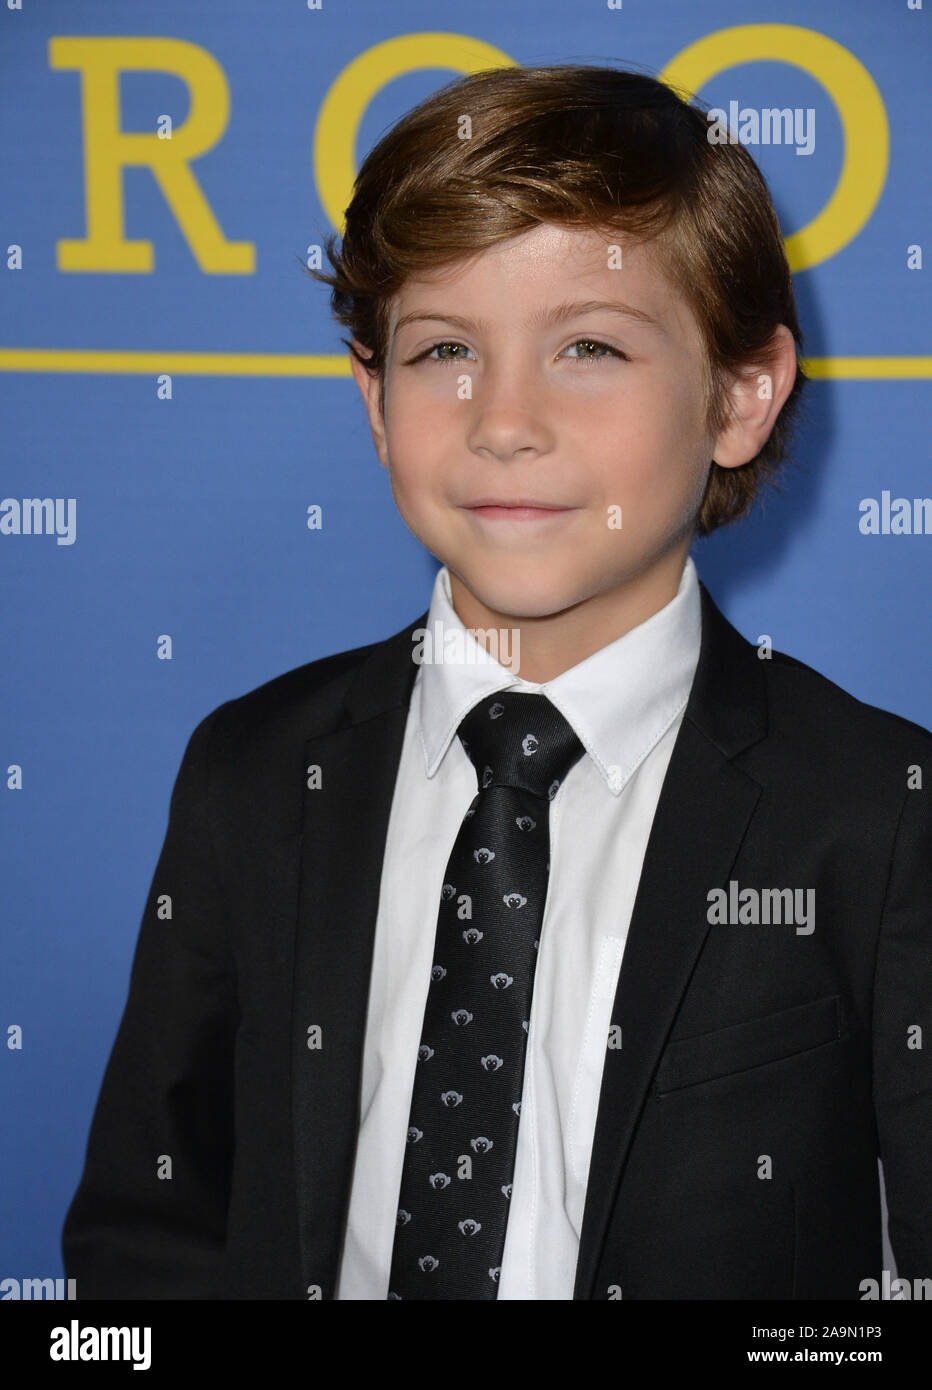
436 347
594 343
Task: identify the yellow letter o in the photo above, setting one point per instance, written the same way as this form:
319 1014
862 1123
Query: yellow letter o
351 92
865 131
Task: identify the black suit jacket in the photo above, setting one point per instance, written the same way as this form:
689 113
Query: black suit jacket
761 1071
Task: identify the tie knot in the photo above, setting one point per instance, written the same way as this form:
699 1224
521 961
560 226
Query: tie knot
517 739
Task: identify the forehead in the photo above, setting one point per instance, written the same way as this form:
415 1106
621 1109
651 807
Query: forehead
546 267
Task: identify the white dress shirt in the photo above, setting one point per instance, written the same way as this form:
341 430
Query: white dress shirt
625 703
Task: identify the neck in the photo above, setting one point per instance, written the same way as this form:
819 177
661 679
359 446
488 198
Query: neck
554 643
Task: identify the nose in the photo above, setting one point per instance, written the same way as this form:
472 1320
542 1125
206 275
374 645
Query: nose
508 413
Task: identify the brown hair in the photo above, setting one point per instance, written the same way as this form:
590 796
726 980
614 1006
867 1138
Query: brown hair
585 147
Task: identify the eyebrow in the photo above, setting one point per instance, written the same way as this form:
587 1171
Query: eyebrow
544 319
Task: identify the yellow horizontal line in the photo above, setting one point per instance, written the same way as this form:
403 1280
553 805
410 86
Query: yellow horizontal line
284 364
867 368
174 363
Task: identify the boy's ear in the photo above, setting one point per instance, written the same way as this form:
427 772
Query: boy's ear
368 383
755 399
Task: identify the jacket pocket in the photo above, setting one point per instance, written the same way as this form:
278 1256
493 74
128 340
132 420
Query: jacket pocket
759 1041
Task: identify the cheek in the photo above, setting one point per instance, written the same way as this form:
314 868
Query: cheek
418 429
652 412
408 440
668 433
416 479
660 464
417 395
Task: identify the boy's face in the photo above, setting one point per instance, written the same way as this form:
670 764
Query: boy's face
520 404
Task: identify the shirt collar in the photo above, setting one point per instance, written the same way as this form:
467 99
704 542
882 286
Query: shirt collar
620 700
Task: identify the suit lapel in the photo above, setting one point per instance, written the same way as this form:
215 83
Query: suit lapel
344 830
704 808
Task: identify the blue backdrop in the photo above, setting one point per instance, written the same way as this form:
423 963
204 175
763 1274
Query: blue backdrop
194 399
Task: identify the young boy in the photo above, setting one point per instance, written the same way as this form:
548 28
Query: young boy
558 946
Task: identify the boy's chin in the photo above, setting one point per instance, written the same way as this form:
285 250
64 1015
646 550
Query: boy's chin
523 597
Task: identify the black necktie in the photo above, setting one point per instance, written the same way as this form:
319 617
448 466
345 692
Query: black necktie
466 1103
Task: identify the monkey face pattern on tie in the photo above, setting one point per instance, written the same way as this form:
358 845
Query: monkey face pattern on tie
466 1103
